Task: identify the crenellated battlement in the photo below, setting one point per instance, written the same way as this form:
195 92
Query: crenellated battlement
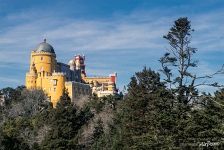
34 53
31 74
58 74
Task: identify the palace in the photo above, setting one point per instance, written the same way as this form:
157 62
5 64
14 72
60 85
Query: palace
53 77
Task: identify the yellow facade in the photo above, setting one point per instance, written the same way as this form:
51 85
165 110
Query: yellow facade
54 77
42 74
57 85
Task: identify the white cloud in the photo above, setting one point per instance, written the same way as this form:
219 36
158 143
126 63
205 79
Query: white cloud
9 80
138 31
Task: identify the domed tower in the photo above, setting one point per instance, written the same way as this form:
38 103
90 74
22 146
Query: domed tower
44 59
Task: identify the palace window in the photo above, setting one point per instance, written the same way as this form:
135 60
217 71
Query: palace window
41 58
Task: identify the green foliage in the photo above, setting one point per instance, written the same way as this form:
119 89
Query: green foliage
98 104
65 123
142 119
151 115
9 135
205 123
98 135
98 129
10 143
147 109
149 118
19 124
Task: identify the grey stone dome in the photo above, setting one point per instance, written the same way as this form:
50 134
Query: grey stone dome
44 46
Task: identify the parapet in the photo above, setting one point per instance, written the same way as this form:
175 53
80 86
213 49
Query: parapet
31 74
58 74
75 83
42 52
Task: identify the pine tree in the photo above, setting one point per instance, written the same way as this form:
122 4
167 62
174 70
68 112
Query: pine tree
11 143
145 120
207 121
66 122
180 60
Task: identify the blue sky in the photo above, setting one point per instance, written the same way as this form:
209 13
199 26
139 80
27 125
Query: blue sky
115 35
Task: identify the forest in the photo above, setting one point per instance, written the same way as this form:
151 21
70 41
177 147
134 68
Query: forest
161 109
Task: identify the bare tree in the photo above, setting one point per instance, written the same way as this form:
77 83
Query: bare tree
30 136
31 103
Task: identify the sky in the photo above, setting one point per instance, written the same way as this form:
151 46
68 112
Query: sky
119 36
